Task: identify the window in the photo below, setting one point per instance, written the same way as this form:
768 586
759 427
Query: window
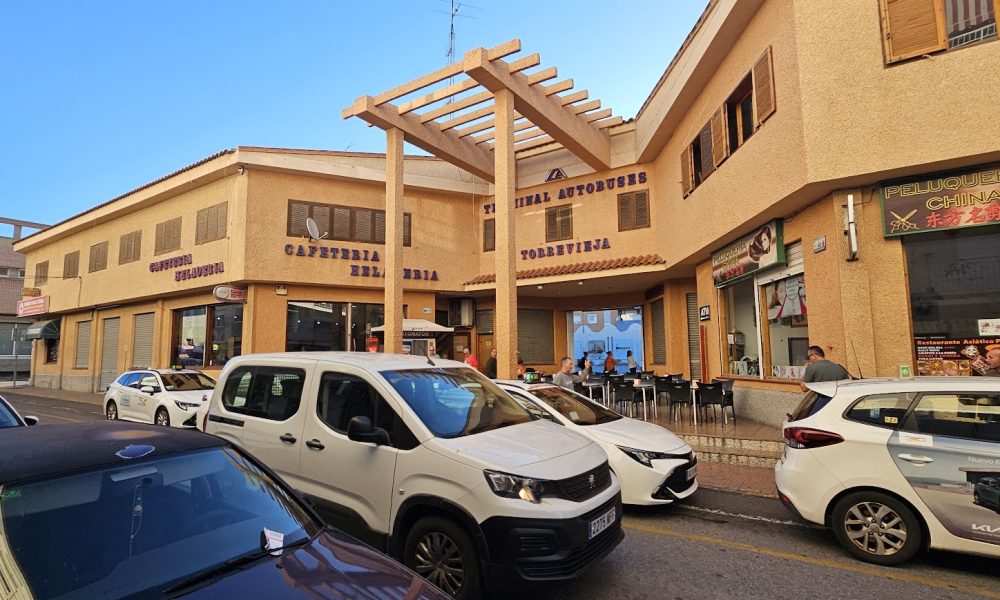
220 323
211 223
227 333
741 329
71 265
98 257
41 273
738 113
912 28
168 236
883 410
633 210
489 235
969 415
82 345
342 223
343 397
8 345
129 379
149 380
129 247
315 326
559 223
51 350
272 393
788 326
363 318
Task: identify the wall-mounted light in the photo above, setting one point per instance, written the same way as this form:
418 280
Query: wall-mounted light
579 283
540 286
851 230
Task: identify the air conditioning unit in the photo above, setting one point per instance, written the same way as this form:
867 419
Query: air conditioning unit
461 313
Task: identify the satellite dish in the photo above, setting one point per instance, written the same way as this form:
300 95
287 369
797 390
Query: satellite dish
313 229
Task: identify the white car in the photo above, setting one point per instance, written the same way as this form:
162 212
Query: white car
9 417
893 465
654 465
164 397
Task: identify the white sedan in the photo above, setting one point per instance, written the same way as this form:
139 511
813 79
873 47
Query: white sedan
164 397
654 465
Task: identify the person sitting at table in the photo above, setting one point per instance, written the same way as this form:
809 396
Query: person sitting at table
610 363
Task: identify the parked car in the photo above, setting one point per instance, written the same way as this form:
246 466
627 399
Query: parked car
896 465
113 510
654 465
427 459
164 397
10 417
987 493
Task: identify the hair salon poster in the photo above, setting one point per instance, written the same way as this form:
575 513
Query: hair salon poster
755 251
942 355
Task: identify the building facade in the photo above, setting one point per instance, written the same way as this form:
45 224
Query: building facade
844 149
15 355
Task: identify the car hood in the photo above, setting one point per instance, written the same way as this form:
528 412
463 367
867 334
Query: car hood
334 565
639 435
190 396
546 446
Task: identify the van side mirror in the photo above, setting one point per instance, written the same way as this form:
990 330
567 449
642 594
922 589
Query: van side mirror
30 420
360 429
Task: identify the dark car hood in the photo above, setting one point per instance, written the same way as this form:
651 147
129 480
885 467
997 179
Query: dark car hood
334 565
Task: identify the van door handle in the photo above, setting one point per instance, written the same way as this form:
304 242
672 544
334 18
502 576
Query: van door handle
287 438
916 458
315 444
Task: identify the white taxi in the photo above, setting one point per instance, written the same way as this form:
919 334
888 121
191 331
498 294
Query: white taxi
164 397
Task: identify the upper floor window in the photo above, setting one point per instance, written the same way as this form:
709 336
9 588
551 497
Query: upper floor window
71 264
489 235
11 272
559 223
129 247
633 210
912 28
98 257
41 273
168 236
211 224
342 223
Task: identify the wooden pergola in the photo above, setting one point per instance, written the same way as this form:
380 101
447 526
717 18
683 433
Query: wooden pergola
479 114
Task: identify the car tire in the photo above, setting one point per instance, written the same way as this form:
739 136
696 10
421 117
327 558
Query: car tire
877 528
111 411
975 500
162 417
435 540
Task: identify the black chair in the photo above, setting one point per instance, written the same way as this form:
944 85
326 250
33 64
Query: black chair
727 397
546 379
680 395
709 394
626 394
661 386
677 377
648 374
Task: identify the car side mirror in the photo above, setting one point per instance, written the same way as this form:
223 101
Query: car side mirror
30 420
148 389
360 429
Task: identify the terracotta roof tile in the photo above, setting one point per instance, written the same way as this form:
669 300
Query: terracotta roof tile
571 269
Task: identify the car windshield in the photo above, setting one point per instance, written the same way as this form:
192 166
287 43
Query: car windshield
7 418
138 528
187 382
576 408
456 402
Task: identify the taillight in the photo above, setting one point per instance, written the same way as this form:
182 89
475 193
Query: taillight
804 437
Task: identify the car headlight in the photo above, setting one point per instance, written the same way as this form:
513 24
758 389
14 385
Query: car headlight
646 457
186 405
514 486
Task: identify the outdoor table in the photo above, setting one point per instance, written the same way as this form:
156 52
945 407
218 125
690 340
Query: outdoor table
694 401
590 385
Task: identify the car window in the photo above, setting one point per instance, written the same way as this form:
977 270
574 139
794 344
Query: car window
186 382
811 404
969 415
343 397
149 379
577 409
7 418
532 407
267 392
128 379
884 410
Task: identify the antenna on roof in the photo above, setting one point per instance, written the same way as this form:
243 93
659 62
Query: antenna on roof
455 8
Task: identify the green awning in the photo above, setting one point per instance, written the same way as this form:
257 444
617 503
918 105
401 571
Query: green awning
43 330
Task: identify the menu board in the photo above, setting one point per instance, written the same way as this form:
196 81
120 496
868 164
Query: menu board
940 355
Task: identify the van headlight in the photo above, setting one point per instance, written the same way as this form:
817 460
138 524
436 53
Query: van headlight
644 456
186 405
514 486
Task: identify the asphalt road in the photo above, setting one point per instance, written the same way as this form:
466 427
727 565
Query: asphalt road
718 545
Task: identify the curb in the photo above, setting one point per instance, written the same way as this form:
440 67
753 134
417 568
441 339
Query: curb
733 490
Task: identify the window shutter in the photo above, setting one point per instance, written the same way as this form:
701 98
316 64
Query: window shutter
341 223
220 221
659 333
551 226
142 341
407 218
379 227
484 321
161 234
298 212
687 171
320 214
201 227
168 236
912 27
626 214
175 234
489 235
362 225
720 137
534 335
707 164
763 87
565 222
71 264
98 257
82 345
42 273
641 209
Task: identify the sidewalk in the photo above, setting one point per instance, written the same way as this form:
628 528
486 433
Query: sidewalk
26 390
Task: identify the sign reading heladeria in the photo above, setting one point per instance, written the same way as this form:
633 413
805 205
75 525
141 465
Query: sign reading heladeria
941 201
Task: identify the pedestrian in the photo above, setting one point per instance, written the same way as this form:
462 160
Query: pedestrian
491 364
470 358
820 369
633 366
610 363
587 371
580 364
564 378
993 360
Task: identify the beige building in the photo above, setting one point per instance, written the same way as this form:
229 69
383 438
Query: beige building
845 148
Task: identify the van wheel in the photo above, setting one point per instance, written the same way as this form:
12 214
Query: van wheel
162 418
111 412
443 553
877 528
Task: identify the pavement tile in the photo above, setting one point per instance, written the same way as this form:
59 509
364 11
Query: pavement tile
755 481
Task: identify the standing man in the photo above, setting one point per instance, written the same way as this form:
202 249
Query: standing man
820 369
563 378
470 358
491 364
993 360
610 363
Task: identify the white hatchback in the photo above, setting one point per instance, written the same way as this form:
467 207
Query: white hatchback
654 465
896 465
164 397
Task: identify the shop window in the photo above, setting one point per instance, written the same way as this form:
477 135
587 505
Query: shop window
41 273
222 324
559 223
315 326
129 247
363 318
51 350
973 416
211 223
787 326
273 393
741 329
71 265
227 333
168 236
343 223
914 28
98 257
489 235
82 356
633 210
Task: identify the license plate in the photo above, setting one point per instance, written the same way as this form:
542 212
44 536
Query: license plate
601 523
692 472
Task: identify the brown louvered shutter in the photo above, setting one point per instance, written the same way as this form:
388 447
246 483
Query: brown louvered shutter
168 235
551 225
221 221
98 257
763 87
489 235
321 214
201 227
379 235
912 28
41 273
407 220
362 225
641 209
626 212
129 246
707 164
720 136
341 228
298 212
71 264
687 171
566 222
175 234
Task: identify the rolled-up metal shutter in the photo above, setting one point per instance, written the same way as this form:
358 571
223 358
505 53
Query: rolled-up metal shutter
659 333
694 337
142 341
794 264
534 335
82 358
109 352
484 321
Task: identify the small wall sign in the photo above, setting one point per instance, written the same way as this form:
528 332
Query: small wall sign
704 313
819 244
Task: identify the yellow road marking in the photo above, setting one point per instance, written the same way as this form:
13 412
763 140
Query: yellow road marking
822 562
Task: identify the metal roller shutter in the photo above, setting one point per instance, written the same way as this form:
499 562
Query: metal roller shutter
82 345
794 265
694 337
659 333
484 321
534 335
142 341
109 352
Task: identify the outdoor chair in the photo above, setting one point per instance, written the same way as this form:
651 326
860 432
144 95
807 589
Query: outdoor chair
709 394
628 395
680 396
727 397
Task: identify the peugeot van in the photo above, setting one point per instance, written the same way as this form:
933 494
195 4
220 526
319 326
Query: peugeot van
428 460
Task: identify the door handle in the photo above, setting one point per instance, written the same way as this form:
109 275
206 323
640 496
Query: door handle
315 444
916 458
287 438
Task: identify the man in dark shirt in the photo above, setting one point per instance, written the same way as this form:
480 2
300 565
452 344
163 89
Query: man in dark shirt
820 369
491 364
993 360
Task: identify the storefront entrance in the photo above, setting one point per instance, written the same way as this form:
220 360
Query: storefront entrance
595 333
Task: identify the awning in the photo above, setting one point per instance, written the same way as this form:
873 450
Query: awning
43 330
419 326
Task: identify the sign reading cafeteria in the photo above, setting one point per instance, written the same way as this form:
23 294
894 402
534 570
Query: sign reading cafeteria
759 250
940 202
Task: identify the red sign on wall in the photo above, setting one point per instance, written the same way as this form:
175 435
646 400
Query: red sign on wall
33 306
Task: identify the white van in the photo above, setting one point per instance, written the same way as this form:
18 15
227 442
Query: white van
428 460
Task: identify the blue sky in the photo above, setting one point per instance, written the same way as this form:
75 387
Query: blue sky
102 97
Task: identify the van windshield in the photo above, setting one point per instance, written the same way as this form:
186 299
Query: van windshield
456 402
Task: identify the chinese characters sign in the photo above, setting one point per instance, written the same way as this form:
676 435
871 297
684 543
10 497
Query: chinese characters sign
945 201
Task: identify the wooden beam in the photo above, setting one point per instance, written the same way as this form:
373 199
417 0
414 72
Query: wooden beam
575 97
585 107
479 139
517 66
466 118
601 114
456 106
451 90
427 136
610 122
545 139
555 88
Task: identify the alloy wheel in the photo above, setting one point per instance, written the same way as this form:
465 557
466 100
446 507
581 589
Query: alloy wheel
111 412
162 418
438 559
875 528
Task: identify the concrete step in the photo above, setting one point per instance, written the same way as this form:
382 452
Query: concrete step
732 445
737 456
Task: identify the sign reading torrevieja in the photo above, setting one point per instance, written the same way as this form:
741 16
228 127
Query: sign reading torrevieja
759 250
941 201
